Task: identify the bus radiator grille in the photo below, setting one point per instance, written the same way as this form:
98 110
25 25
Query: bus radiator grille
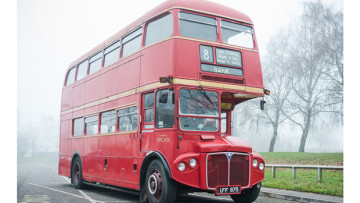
222 170
239 170
217 170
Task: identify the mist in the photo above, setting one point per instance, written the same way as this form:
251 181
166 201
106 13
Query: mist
51 34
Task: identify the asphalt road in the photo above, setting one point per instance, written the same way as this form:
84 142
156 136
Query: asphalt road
38 182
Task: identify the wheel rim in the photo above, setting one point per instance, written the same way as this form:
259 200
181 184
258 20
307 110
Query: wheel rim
76 173
155 184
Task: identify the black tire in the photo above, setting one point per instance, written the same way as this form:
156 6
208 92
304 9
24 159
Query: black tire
159 187
247 195
76 174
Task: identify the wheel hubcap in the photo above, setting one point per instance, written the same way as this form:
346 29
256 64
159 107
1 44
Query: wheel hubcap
155 184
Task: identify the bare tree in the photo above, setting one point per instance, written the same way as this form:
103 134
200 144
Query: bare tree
278 79
312 60
335 71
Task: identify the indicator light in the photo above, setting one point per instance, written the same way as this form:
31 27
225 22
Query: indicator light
261 166
255 163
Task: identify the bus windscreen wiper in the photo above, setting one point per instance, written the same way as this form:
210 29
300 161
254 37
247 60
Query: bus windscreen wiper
206 96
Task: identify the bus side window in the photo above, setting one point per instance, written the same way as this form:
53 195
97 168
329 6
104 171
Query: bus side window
159 29
108 122
91 125
149 110
78 127
132 42
165 109
71 76
128 119
111 53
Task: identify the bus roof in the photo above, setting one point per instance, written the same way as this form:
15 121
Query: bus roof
195 5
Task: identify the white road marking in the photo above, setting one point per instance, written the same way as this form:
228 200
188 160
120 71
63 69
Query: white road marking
83 193
67 179
57 190
87 197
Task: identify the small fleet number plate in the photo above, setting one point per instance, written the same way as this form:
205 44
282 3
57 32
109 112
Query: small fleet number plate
227 190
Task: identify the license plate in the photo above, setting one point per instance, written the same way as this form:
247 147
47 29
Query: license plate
227 190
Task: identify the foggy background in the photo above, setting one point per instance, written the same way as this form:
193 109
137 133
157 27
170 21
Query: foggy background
52 34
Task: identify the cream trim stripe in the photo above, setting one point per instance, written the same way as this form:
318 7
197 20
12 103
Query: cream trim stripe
158 85
214 43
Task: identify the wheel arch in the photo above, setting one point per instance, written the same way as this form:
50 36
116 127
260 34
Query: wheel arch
147 160
74 156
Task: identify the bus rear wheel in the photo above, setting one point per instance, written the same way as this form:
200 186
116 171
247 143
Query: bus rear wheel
247 195
76 174
159 187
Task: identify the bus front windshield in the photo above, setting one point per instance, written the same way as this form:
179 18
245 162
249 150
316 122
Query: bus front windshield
199 110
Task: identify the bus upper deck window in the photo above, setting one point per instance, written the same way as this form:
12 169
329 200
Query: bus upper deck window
71 76
82 70
132 42
95 63
159 29
111 53
236 34
196 26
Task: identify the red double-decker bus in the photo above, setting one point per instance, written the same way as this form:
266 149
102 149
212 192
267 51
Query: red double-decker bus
149 110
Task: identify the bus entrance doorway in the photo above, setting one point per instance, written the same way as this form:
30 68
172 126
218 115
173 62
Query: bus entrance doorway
147 120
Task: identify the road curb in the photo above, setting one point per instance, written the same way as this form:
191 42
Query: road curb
299 196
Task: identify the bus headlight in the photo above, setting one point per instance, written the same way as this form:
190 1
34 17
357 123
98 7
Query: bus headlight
255 163
181 166
261 166
193 162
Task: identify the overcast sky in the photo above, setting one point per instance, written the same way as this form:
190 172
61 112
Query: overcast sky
51 34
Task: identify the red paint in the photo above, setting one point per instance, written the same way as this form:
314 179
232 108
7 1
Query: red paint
122 85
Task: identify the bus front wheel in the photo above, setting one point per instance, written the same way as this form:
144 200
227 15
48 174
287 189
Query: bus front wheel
76 174
248 195
159 187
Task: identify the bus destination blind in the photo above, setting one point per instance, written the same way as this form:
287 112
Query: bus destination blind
228 57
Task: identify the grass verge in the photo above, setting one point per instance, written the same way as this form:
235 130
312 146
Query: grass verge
306 179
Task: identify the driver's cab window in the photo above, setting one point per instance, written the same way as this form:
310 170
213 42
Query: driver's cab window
165 109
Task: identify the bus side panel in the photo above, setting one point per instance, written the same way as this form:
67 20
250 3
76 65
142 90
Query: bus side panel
157 61
79 94
64 148
89 158
128 73
92 92
127 176
108 82
185 53
252 69
107 147
129 155
66 98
